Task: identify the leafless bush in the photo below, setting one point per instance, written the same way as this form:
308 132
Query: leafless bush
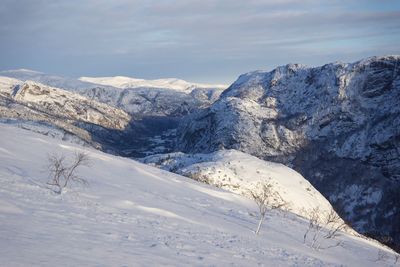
334 224
314 225
63 171
266 198
323 226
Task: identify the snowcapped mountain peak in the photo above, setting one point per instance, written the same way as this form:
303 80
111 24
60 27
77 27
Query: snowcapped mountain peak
47 79
124 82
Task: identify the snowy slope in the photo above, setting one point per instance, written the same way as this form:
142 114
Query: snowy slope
240 173
61 103
57 112
136 215
169 83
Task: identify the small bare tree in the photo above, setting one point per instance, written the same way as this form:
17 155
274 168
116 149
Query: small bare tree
266 198
320 222
314 226
334 224
62 172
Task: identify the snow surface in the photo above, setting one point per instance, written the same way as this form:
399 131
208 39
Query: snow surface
136 215
241 173
169 83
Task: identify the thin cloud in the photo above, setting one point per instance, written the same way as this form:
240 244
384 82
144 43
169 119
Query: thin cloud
191 39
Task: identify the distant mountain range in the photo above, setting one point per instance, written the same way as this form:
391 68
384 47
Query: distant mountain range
155 111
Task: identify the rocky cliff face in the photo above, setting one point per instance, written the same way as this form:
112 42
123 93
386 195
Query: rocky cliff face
338 125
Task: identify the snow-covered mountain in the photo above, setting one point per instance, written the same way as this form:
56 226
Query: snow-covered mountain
338 125
136 215
124 82
47 79
70 112
241 173
142 102
159 97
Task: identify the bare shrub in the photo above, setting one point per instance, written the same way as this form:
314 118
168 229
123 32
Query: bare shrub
266 198
63 171
322 225
334 224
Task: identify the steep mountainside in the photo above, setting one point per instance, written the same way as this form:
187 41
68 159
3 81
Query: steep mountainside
131 214
338 125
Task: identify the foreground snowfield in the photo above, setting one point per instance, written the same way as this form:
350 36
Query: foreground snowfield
137 215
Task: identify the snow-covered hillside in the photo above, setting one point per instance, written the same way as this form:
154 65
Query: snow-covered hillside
169 83
68 112
241 173
63 104
136 215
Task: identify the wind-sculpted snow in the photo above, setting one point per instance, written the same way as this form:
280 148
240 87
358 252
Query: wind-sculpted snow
131 214
338 125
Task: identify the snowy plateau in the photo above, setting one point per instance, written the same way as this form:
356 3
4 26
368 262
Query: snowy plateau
176 167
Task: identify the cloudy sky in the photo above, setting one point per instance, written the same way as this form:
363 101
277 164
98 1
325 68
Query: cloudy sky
204 41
